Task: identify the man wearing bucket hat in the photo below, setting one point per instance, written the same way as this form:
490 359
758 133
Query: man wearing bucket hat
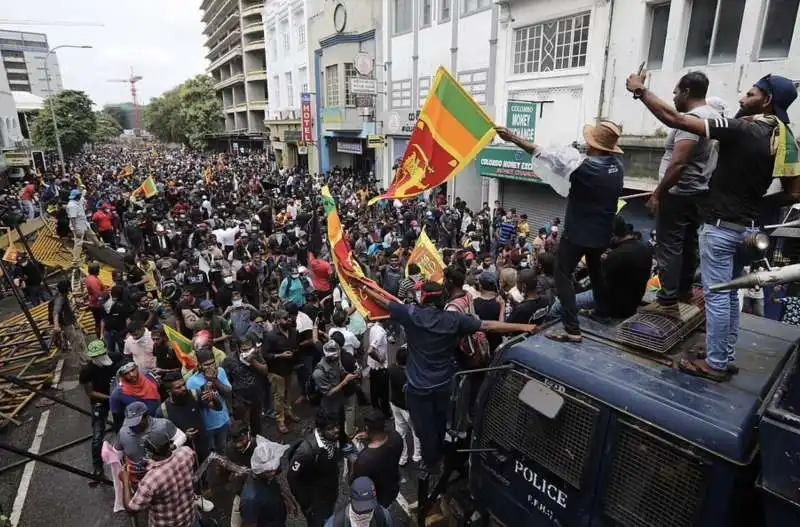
96 377
754 148
595 187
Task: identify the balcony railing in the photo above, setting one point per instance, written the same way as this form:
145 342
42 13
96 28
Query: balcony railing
225 58
254 75
233 79
252 9
256 45
253 28
233 36
257 105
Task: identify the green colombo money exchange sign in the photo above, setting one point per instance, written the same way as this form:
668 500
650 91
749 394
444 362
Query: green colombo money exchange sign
506 163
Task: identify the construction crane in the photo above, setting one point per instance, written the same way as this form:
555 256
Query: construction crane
132 80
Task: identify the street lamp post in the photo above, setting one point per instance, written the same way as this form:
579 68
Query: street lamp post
52 101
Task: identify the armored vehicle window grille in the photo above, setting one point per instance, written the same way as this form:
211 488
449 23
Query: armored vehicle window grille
560 445
653 484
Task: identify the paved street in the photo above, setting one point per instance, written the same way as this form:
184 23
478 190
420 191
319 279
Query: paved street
39 495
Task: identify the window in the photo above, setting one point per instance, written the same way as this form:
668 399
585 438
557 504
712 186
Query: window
402 16
659 15
401 94
273 45
349 73
475 84
302 76
332 85
425 12
553 45
778 28
713 32
286 37
424 89
289 90
276 87
444 10
301 34
471 6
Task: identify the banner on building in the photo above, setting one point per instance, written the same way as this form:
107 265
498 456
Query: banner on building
427 257
349 147
351 276
451 130
306 119
521 118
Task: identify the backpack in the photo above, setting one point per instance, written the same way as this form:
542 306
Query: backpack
340 519
474 349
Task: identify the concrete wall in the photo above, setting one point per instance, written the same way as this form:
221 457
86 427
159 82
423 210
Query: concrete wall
288 15
629 45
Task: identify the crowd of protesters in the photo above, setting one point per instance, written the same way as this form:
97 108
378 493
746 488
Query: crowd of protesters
231 253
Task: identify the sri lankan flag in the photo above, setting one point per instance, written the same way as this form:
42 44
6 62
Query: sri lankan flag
452 128
208 175
148 189
351 277
427 257
183 349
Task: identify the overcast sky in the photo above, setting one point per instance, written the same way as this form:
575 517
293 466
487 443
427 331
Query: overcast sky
161 39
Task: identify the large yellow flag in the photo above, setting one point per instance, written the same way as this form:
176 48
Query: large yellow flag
427 257
351 277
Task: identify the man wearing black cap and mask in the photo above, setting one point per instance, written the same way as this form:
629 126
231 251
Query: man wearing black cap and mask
752 152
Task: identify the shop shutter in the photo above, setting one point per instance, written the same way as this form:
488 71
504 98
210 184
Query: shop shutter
539 202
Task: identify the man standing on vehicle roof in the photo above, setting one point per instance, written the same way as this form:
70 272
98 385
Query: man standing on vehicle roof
754 148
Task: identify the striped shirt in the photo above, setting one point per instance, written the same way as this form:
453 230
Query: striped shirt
506 231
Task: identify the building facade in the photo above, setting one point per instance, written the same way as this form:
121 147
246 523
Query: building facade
344 45
421 36
24 56
234 32
10 129
745 41
287 78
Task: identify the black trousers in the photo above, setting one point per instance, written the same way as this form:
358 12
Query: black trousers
678 249
379 390
567 259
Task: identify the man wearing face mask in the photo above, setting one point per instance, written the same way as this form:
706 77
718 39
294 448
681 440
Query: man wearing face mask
363 509
241 315
96 377
246 372
279 350
223 298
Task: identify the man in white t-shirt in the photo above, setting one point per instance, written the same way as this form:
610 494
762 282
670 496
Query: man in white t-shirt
291 209
351 343
378 362
76 212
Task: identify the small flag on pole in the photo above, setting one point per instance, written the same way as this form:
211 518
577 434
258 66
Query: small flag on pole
148 188
427 257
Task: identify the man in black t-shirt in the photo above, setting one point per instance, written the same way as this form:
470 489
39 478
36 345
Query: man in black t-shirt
96 377
746 167
184 408
116 323
380 458
279 350
533 308
246 373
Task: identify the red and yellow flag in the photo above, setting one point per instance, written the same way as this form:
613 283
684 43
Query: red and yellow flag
148 188
351 277
452 129
427 257
208 175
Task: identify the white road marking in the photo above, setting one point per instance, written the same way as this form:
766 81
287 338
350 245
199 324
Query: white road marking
27 474
57 375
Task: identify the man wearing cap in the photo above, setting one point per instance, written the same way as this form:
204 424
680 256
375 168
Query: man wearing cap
96 377
138 425
595 187
363 509
262 501
166 490
752 153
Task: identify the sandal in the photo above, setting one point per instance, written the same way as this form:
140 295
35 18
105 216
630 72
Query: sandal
699 368
733 369
563 336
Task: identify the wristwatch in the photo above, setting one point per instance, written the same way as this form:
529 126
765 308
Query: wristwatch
638 92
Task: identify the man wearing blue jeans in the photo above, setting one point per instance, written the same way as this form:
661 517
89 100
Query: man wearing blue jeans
433 336
215 390
749 160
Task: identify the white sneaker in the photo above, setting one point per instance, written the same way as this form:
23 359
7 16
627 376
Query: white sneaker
416 459
203 504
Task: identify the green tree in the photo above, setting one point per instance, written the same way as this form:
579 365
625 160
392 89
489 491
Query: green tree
76 122
107 129
185 113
